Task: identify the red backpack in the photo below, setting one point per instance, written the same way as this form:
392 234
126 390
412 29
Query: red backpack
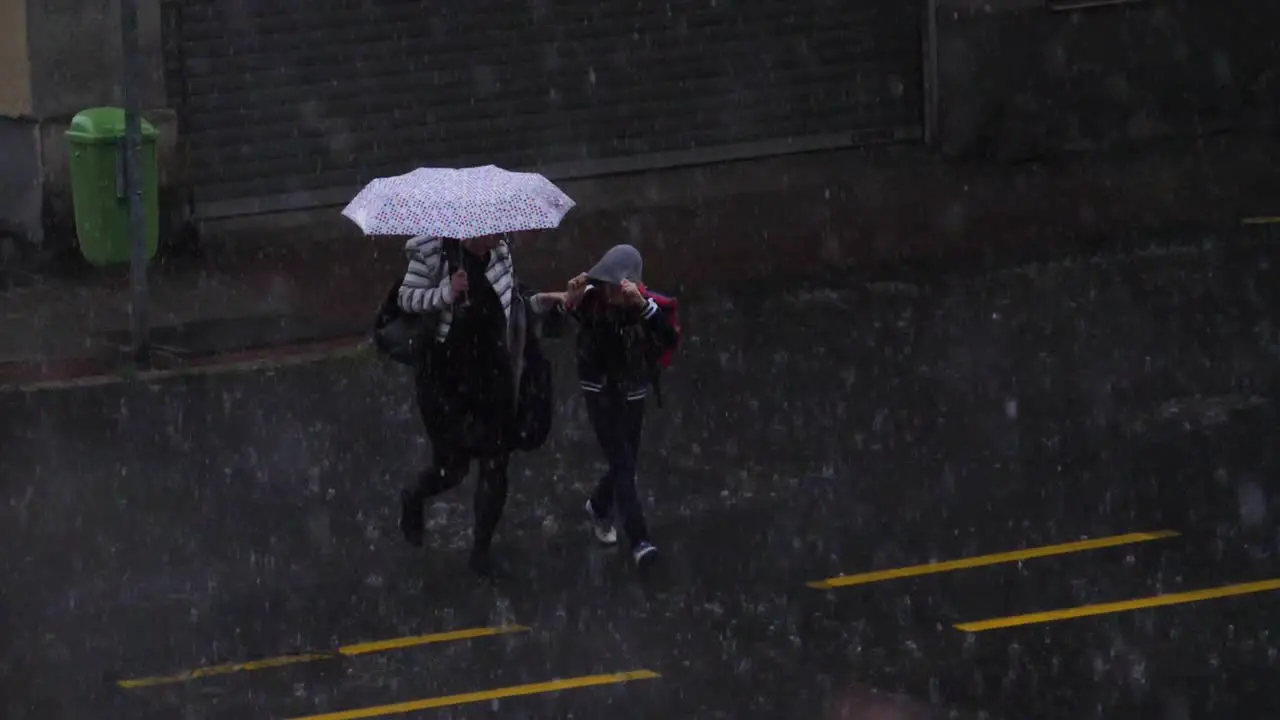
671 308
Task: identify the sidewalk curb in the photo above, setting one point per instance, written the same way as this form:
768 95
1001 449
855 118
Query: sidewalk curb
72 373
76 373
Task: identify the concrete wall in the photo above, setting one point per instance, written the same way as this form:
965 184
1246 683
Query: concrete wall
15 63
75 55
20 202
1018 80
19 151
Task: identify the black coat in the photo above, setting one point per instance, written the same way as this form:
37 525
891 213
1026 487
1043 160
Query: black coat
486 389
618 348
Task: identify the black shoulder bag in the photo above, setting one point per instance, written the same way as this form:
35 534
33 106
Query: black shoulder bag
401 336
535 401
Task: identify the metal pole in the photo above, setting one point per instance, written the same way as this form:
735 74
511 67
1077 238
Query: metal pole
932 83
131 62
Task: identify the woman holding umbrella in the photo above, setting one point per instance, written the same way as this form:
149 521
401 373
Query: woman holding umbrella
470 370
465 387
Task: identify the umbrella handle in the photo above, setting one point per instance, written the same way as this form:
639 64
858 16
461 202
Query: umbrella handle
465 300
459 264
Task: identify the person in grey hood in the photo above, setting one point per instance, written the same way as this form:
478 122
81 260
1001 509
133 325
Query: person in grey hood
621 333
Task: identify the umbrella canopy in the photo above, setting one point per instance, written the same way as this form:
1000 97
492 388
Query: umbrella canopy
458 203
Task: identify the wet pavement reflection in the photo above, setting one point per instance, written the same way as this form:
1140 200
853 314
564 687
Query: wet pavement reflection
1090 435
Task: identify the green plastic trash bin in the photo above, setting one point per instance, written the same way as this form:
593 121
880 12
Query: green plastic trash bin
98 186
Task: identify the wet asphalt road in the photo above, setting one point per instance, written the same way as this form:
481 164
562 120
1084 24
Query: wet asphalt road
157 529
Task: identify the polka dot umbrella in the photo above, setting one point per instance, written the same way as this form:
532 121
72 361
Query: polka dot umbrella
458 203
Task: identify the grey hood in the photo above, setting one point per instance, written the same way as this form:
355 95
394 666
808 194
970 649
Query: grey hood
622 262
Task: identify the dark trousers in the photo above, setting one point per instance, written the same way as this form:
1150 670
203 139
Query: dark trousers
451 459
618 422
449 467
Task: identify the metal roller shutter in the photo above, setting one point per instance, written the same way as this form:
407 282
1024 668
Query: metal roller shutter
292 105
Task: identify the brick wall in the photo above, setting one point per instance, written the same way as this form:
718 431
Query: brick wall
1019 81
286 102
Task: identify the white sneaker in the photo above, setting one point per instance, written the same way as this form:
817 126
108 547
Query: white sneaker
603 528
644 554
